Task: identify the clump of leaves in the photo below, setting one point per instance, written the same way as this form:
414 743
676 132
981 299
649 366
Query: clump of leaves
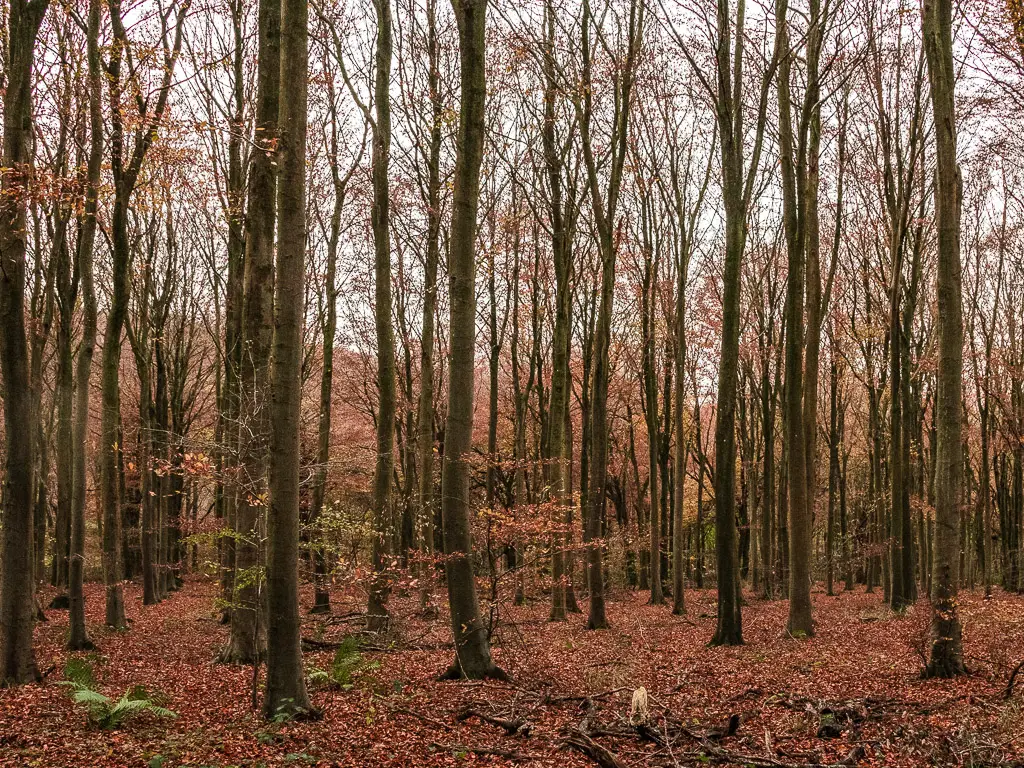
347 663
104 712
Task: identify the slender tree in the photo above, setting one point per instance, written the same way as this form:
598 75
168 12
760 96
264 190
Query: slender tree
126 159
247 641
425 404
78 638
946 659
17 615
384 528
726 93
285 694
472 645
604 205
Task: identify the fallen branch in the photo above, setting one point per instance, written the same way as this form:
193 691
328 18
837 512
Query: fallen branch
506 754
421 717
549 699
581 742
1013 678
511 727
344 618
309 644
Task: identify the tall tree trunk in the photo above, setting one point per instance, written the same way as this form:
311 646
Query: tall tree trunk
78 638
230 410
553 439
383 533
64 394
328 330
815 305
521 402
493 362
650 381
799 162
149 497
605 212
681 447
833 473
472 644
898 589
768 400
947 650
285 693
425 406
17 658
247 642
736 191
110 443
126 164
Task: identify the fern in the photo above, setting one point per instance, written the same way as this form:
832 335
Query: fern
347 663
78 670
90 698
102 711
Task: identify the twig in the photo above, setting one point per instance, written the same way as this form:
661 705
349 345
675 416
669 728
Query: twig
516 757
1013 678
419 716
511 727
549 699
319 645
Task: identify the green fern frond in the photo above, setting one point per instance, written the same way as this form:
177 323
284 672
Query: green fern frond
90 698
79 672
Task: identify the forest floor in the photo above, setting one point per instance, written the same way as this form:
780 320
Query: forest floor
851 695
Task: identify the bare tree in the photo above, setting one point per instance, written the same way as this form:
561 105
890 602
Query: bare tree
946 658
17 615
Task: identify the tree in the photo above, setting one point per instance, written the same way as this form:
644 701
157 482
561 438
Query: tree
247 642
799 166
472 645
78 639
604 206
946 658
554 438
126 165
17 615
285 693
737 191
328 330
380 222
425 405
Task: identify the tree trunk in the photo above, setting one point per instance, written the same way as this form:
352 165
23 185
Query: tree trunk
833 474
425 406
79 639
64 396
553 439
328 329
285 693
383 532
605 221
228 417
947 650
651 413
681 447
17 658
247 642
472 646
